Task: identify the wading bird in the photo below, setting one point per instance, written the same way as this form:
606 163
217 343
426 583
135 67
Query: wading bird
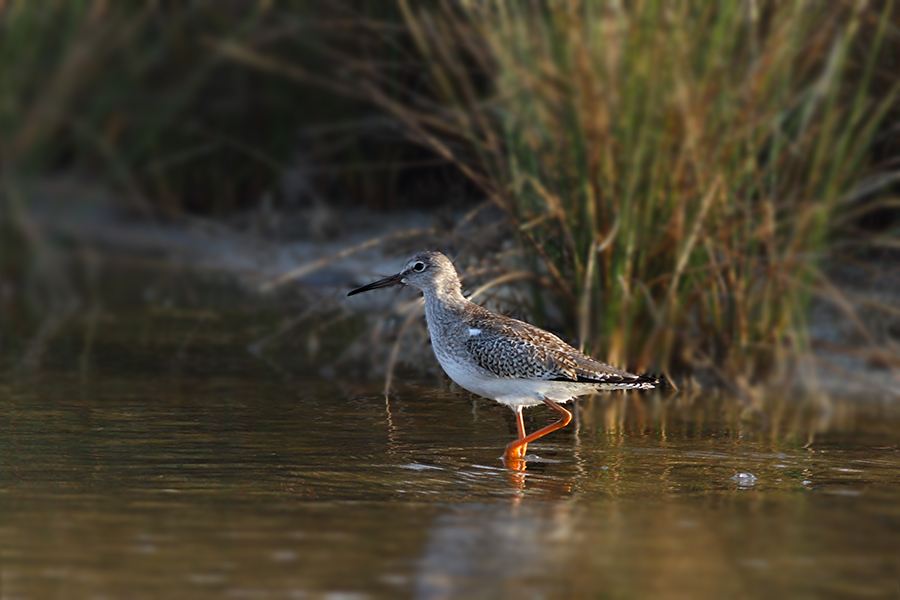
510 361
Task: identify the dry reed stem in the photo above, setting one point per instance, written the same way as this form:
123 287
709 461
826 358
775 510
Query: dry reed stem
323 262
506 278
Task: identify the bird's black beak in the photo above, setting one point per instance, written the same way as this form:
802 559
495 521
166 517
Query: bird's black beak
387 281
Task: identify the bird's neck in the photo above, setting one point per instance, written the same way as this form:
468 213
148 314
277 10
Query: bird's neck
443 304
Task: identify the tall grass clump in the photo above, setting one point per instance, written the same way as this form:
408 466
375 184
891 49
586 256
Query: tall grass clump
673 167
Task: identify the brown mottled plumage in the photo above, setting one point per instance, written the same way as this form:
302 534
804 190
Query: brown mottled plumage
509 348
497 357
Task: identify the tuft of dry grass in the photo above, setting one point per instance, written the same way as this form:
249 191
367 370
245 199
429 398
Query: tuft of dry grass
674 168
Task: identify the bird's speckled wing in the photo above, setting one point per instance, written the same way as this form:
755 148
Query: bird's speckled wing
514 349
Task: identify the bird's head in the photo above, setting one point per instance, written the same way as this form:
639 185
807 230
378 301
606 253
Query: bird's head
427 271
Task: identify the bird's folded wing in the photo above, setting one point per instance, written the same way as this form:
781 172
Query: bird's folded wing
515 349
516 357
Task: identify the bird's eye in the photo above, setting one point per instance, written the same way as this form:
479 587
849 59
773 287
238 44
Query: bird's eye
419 266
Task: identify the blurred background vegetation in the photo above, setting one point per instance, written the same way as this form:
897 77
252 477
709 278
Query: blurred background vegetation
680 178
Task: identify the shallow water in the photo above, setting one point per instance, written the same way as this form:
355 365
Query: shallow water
148 462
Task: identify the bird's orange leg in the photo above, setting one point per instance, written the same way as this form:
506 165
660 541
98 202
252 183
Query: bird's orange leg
518 451
515 450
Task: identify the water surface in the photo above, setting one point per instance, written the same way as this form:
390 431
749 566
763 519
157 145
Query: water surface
157 458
